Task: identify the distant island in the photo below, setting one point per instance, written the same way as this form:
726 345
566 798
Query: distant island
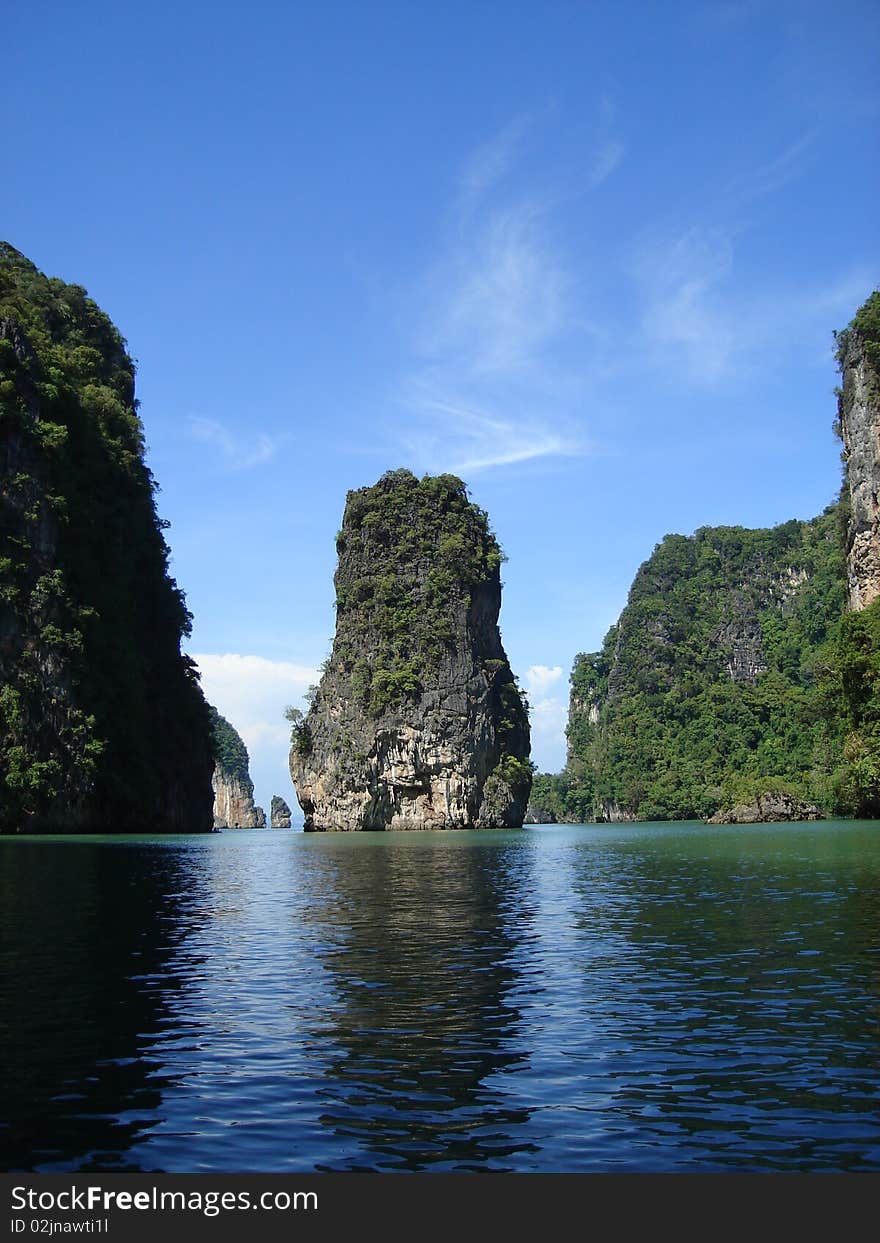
234 806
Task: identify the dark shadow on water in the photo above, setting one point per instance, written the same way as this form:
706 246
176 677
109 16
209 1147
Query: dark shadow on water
84 953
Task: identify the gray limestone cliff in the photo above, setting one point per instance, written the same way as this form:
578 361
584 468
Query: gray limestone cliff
234 803
233 789
417 722
859 428
772 807
279 813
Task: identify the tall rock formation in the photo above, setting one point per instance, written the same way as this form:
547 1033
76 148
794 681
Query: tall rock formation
279 814
858 656
103 726
417 722
233 789
859 427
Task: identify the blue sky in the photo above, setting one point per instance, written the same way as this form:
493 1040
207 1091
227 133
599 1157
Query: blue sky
587 255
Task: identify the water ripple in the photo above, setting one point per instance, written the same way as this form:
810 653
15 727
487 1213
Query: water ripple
606 998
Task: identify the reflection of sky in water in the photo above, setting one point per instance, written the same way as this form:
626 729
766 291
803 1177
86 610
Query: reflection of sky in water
612 997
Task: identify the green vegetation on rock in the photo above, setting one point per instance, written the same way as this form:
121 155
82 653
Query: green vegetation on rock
733 672
429 546
102 721
866 325
711 683
229 749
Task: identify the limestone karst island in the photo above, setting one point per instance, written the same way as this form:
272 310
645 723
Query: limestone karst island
418 722
741 682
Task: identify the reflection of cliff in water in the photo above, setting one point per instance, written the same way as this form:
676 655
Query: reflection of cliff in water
75 1090
424 1017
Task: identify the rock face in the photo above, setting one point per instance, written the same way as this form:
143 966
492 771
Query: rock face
279 815
234 803
233 789
417 722
859 426
770 808
534 815
103 726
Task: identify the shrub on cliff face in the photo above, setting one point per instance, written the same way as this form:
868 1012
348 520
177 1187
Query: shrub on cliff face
866 323
102 721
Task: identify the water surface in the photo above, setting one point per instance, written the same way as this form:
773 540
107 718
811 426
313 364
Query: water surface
598 998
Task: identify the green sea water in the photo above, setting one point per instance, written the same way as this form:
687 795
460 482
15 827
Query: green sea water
646 997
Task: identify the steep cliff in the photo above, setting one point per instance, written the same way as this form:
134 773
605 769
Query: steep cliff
746 663
417 722
859 428
713 677
279 814
857 659
233 789
102 722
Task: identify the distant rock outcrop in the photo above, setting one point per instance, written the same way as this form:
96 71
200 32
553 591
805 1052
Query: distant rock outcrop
279 813
233 789
537 815
773 807
859 427
417 722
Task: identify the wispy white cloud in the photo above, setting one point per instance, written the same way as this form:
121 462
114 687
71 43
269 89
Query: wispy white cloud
498 298
684 316
486 387
773 175
234 452
702 321
609 150
605 160
482 440
492 160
